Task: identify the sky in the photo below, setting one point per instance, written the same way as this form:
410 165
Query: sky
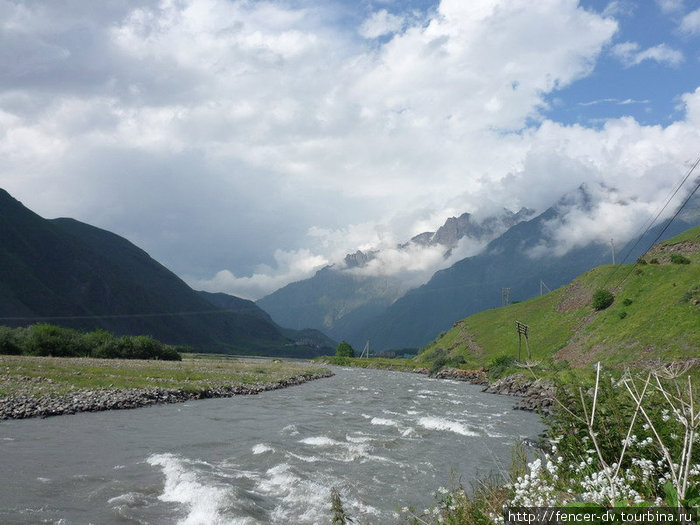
246 144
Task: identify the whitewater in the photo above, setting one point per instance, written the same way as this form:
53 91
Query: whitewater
384 439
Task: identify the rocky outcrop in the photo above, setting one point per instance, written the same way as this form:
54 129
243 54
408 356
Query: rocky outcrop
475 377
536 396
22 406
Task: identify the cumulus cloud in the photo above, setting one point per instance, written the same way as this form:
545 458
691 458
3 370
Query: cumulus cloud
289 266
630 54
258 141
381 23
691 22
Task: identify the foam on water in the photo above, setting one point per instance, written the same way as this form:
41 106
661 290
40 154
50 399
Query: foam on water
290 430
300 457
384 422
204 503
320 441
344 451
303 500
261 448
439 423
359 439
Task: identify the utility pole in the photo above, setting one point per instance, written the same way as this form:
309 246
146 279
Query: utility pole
365 350
505 296
523 330
612 245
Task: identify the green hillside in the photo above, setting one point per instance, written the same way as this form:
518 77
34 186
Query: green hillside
655 315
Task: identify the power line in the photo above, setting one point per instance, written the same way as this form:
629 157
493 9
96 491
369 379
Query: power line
690 196
114 316
651 223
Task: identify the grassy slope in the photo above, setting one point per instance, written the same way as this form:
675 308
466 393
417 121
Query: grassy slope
661 322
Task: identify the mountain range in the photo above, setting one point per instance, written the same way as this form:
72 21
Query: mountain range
341 300
360 309
69 273
73 274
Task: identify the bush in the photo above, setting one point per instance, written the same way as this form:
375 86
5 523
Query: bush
8 342
641 261
677 258
602 299
627 302
499 365
136 347
622 314
345 350
49 340
654 261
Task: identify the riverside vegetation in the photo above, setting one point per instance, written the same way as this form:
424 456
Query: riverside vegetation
624 433
47 370
48 340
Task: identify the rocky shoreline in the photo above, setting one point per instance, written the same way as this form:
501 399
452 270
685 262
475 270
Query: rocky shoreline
22 406
535 395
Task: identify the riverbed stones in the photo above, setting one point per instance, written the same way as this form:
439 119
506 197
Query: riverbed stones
21 406
535 395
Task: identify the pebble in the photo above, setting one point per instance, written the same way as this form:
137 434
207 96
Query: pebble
22 406
535 396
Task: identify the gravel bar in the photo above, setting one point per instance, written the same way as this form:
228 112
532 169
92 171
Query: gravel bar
21 406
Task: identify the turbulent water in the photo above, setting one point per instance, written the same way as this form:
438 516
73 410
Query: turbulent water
384 439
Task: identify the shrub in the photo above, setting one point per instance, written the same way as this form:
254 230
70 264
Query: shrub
602 299
499 365
49 340
654 261
641 261
622 314
345 350
677 258
627 302
8 342
136 347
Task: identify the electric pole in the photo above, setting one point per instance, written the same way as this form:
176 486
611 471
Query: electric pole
612 245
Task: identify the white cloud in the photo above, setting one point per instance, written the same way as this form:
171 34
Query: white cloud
629 54
290 266
670 6
619 8
691 22
214 132
381 23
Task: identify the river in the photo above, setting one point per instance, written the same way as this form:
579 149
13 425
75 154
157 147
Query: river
384 439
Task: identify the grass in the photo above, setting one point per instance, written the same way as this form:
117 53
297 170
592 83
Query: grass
654 316
691 235
54 376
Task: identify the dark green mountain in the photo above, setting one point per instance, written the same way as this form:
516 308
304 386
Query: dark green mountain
308 338
72 274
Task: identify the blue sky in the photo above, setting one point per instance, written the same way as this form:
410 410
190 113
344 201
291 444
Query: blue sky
246 144
649 91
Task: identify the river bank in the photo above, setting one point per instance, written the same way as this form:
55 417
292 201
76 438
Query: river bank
533 395
43 386
385 440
